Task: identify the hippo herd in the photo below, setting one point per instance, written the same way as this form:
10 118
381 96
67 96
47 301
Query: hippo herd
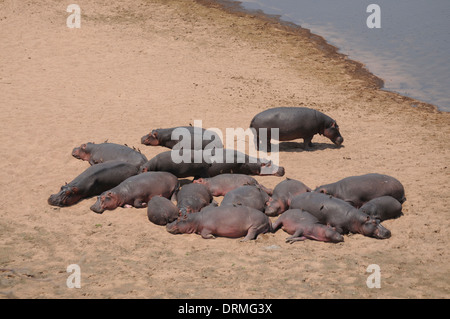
121 176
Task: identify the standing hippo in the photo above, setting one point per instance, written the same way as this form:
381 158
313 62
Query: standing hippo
294 123
302 225
221 184
92 182
232 161
339 214
104 152
283 194
170 137
223 221
161 211
382 208
163 162
247 195
358 190
192 198
137 191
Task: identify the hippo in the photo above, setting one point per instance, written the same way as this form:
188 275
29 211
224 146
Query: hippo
223 221
294 123
358 190
221 184
382 208
161 211
199 138
192 198
104 152
247 195
337 213
137 191
302 225
164 162
232 161
283 194
92 182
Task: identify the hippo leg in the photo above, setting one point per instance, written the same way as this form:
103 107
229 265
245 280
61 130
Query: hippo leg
139 203
251 234
293 239
206 234
307 144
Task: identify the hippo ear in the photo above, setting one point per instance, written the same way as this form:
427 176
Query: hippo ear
83 146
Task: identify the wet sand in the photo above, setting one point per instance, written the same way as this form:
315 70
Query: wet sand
138 65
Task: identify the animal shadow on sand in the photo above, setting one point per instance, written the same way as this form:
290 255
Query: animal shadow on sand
300 147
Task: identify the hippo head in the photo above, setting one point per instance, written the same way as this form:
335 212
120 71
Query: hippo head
332 132
67 196
274 207
371 227
150 139
106 201
82 152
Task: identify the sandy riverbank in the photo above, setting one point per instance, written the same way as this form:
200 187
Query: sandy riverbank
137 65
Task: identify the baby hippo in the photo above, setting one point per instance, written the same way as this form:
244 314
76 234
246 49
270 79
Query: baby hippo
302 225
192 198
251 196
161 211
282 195
137 191
382 208
221 184
223 221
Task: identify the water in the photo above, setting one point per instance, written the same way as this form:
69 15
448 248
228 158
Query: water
410 52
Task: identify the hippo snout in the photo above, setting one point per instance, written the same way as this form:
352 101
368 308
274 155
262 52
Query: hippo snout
339 140
280 171
97 207
55 200
382 232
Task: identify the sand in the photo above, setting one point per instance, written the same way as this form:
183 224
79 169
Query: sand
136 65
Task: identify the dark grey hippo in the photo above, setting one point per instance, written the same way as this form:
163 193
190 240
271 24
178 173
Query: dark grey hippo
92 182
247 195
337 213
294 123
223 221
161 211
104 152
170 137
192 198
358 190
137 191
382 208
283 194
302 225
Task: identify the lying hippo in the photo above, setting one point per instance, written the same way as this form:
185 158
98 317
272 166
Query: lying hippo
92 182
339 214
294 123
161 211
192 198
232 161
302 225
223 221
220 185
104 152
137 191
382 208
358 190
247 195
169 137
283 194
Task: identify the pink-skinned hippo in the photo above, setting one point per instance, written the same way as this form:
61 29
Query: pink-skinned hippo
337 213
104 152
223 221
294 123
170 137
302 225
220 185
247 195
358 190
283 194
92 182
137 191
382 208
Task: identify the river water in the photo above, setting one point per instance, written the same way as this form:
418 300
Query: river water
410 51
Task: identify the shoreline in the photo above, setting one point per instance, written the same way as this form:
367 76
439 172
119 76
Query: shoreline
358 69
139 65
